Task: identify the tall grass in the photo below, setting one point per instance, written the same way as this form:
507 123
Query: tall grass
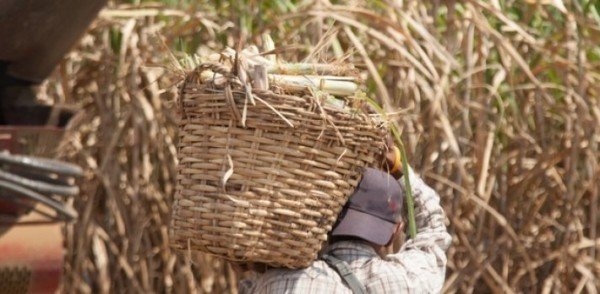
497 103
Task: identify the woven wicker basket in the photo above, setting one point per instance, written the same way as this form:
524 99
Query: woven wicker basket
266 192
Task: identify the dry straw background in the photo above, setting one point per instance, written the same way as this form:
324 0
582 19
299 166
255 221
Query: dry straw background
497 101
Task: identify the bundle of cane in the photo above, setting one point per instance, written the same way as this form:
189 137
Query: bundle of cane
269 153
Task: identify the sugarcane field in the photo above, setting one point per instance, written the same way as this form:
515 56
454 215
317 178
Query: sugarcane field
299 146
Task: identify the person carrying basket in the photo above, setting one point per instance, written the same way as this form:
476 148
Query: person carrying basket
355 261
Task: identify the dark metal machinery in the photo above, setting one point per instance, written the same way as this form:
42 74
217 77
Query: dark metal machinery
34 36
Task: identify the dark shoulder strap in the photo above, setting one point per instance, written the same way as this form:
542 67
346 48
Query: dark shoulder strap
343 269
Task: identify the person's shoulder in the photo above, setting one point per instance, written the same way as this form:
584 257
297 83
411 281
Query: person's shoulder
289 280
384 267
385 276
318 269
399 273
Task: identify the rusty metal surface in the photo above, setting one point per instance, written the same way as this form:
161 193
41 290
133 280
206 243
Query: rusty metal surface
15 279
31 140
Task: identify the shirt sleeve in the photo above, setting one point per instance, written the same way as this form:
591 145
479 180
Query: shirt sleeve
246 286
423 258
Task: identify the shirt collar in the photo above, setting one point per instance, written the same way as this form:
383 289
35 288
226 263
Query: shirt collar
348 250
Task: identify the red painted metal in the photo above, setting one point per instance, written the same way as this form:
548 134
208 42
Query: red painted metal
36 246
29 242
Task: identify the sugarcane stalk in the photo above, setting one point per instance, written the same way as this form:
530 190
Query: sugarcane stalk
251 56
310 69
274 67
339 86
260 79
410 204
269 45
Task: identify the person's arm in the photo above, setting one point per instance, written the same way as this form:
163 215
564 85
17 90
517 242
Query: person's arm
424 257
246 286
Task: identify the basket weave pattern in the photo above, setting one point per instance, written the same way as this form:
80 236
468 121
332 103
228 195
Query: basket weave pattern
266 192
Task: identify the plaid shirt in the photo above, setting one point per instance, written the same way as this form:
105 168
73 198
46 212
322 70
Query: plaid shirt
419 266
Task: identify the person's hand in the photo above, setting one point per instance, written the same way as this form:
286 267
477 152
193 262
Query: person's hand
393 161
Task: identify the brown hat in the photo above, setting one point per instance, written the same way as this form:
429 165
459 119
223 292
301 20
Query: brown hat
374 210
